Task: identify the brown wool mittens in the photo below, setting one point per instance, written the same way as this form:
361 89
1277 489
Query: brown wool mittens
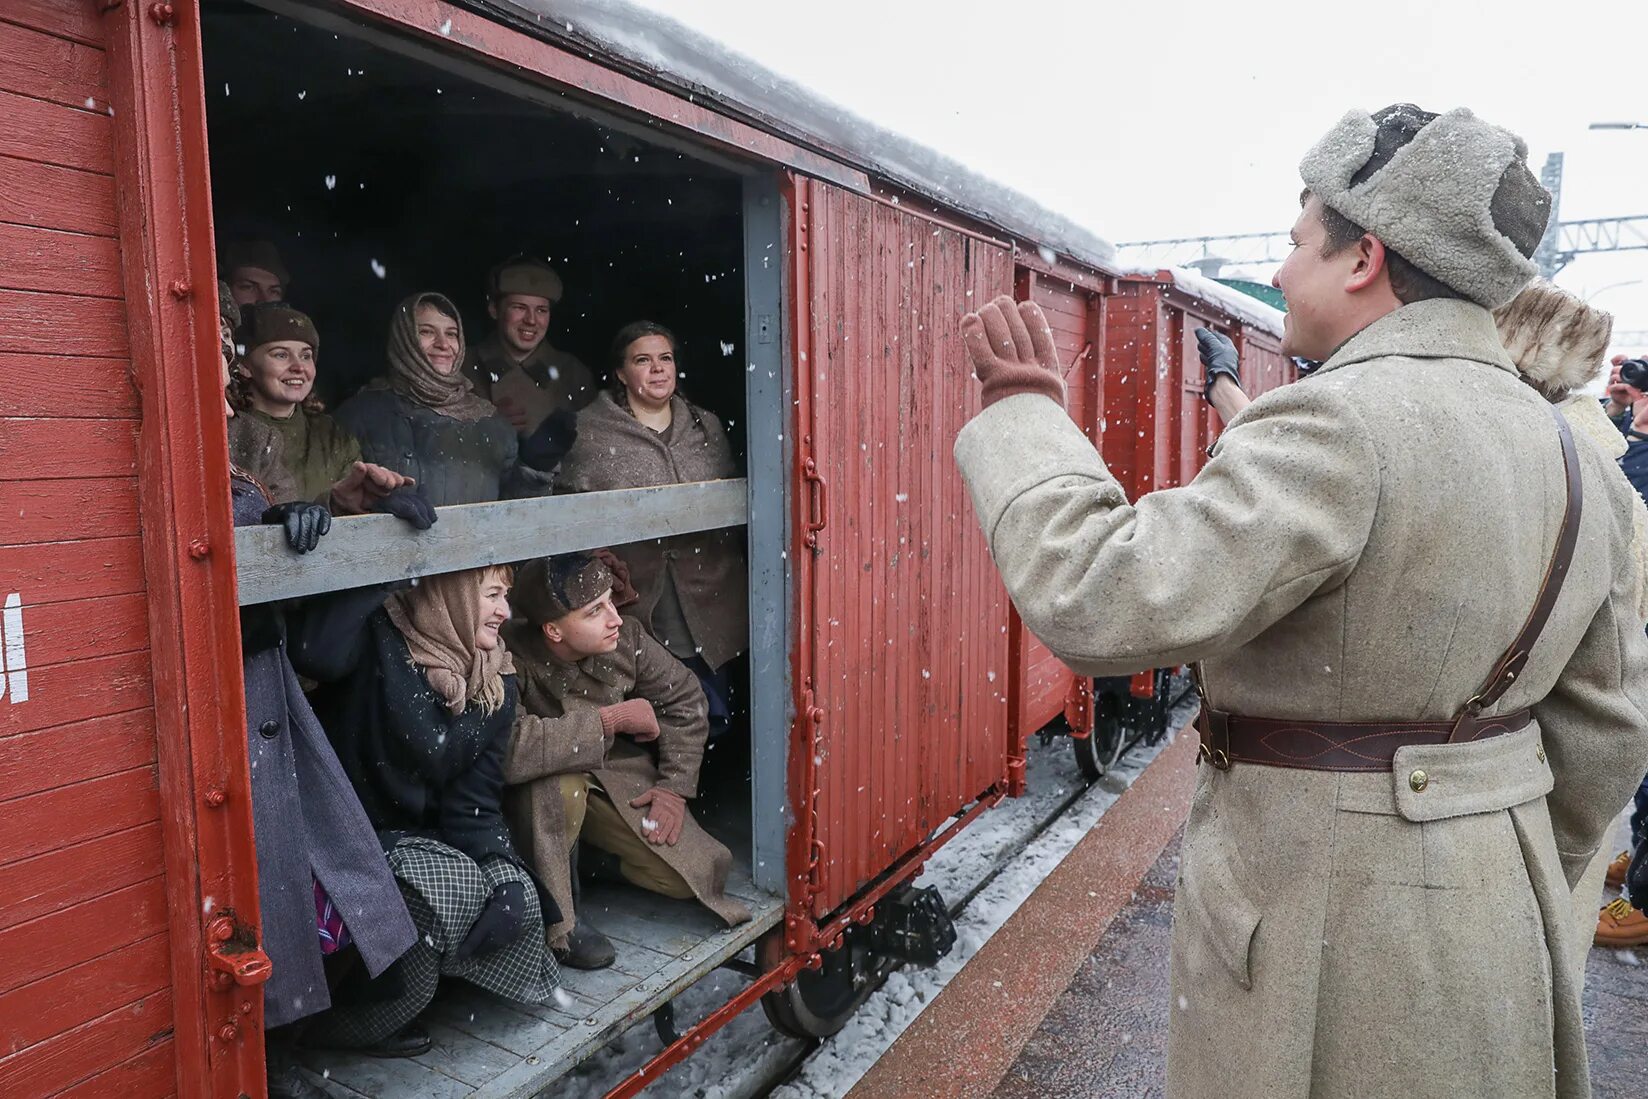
1012 350
633 717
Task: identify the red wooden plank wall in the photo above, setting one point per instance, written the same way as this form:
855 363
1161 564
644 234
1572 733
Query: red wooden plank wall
1045 680
910 645
84 954
1158 427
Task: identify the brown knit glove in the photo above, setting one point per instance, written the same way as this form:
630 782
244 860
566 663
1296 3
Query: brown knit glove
633 717
1012 351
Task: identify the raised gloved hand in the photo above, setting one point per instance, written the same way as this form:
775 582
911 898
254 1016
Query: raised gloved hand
408 504
1012 351
667 811
499 923
304 523
623 592
545 447
633 717
1218 360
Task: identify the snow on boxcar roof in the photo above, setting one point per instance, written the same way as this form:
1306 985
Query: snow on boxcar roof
684 60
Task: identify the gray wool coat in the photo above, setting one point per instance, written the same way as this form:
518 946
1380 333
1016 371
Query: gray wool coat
308 824
616 451
1363 545
558 731
452 461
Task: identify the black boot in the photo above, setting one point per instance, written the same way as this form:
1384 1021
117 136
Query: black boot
285 1079
586 947
410 1040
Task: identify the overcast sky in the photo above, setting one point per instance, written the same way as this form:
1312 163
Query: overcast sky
1182 119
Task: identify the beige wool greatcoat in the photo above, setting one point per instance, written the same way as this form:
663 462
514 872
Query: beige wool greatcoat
1363 545
558 731
614 450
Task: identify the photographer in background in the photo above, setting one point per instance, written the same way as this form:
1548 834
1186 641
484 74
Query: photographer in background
1623 395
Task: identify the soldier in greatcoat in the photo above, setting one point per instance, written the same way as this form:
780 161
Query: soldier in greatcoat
1411 600
608 743
517 368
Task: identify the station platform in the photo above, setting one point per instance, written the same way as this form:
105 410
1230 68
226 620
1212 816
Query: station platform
1070 997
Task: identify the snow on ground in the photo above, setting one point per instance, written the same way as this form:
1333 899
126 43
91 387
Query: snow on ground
736 1062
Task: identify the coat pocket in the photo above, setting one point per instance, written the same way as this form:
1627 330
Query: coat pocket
1224 919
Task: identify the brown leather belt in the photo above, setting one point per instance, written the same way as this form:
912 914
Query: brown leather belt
1330 745
1371 746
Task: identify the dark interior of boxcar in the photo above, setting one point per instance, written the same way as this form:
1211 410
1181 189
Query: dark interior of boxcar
378 176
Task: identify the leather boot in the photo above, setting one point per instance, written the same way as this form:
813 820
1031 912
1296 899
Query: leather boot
285 1080
1619 924
586 947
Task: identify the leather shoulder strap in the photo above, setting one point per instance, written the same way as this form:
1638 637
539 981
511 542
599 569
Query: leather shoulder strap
1516 657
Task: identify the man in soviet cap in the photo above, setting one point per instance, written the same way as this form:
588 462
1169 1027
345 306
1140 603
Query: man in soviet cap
1408 594
253 270
516 367
609 737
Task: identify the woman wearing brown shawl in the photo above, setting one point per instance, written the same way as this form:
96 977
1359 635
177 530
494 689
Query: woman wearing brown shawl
423 418
419 699
693 587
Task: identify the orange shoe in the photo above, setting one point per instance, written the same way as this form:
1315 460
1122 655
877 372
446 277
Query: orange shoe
1617 868
1621 925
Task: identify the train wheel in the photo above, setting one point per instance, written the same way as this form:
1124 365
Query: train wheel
819 1001
1097 753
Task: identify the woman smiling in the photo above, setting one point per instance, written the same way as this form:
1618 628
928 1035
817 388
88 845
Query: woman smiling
422 418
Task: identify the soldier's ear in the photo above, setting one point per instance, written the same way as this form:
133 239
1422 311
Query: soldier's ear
492 308
551 632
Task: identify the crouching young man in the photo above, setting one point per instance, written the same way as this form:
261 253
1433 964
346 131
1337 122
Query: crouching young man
609 737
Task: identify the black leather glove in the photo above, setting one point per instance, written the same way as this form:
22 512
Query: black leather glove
409 504
304 523
545 447
499 923
1636 878
1218 358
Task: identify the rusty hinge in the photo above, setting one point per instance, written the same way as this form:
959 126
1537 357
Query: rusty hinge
818 516
234 955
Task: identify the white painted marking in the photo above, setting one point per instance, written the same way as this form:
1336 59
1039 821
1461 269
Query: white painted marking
14 664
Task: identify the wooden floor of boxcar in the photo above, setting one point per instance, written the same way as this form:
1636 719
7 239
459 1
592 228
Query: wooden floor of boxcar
490 1048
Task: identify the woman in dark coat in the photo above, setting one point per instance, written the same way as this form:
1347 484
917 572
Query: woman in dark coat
693 588
323 883
423 418
419 698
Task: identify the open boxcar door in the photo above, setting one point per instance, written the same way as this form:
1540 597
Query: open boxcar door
901 673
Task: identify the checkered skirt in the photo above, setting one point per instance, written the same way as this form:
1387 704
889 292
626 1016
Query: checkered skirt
445 891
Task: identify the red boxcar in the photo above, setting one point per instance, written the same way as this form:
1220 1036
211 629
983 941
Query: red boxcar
891 688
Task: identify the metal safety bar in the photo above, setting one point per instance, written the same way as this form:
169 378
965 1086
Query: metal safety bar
377 549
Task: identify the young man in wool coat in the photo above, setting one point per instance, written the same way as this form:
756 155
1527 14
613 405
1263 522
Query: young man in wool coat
608 742
1374 909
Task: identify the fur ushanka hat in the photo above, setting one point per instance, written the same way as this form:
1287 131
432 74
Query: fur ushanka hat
1450 193
553 587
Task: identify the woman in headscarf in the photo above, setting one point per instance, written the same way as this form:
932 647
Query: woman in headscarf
419 698
323 884
693 588
424 419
